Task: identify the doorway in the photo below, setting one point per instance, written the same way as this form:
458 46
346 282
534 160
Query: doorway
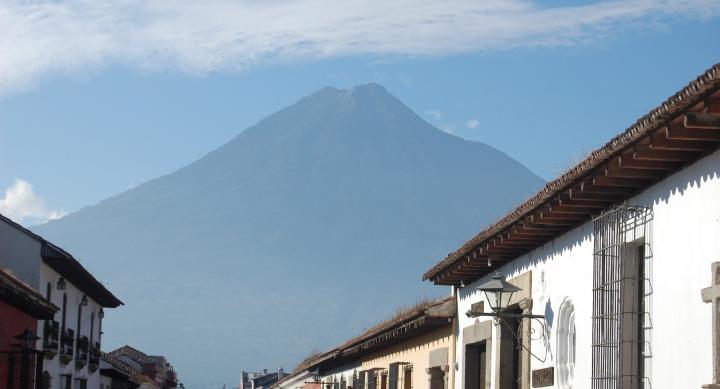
511 351
476 366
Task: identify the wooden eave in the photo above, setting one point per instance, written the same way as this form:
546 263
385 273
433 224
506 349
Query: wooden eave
431 317
682 130
24 298
67 266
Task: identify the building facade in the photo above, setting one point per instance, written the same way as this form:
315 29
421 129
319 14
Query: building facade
70 340
154 370
114 374
409 350
617 259
21 307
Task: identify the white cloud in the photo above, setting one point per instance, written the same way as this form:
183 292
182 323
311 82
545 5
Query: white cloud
472 123
437 115
22 205
44 37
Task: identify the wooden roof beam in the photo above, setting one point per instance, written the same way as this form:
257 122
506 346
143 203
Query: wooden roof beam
542 228
620 182
580 207
664 155
704 120
712 104
587 191
557 215
661 142
512 245
618 186
696 134
633 173
628 161
564 200
510 237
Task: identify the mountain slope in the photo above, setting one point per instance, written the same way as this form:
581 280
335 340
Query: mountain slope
304 229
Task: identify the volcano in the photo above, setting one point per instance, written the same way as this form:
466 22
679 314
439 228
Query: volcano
304 229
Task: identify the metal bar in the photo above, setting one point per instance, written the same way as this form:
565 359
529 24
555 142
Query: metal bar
618 298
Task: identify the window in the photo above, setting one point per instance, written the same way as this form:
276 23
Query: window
619 300
80 383
566 344
65 381
407 377
393 375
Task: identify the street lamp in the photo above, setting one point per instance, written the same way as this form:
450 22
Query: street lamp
27 339
498 293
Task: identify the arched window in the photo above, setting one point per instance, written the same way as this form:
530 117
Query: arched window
566 345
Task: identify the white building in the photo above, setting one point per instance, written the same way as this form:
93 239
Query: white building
613 254
70 342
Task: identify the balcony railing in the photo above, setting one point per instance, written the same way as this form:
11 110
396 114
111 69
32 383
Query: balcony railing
51 335
83 348
94 357
67 340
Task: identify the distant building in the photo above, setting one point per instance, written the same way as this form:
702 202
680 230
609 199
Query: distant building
265 379
410 350
155 367
71 339
115 374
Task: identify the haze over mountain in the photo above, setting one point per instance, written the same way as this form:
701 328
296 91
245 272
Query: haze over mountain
306 228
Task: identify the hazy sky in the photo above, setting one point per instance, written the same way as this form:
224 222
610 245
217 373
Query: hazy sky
99 96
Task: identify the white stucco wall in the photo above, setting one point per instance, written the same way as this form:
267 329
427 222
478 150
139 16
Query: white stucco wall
20 253
347 371
684 240
74 296
295 381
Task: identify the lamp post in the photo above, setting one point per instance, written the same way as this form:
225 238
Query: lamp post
498 293
27 346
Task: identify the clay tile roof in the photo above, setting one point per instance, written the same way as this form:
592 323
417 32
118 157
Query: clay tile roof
422 316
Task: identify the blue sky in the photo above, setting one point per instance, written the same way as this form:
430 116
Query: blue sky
95 99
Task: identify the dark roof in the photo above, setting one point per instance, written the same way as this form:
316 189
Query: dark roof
67 266
117 369
21 296
268 379
668 138
419 319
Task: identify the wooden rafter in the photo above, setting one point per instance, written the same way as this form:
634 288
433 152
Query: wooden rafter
704 120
